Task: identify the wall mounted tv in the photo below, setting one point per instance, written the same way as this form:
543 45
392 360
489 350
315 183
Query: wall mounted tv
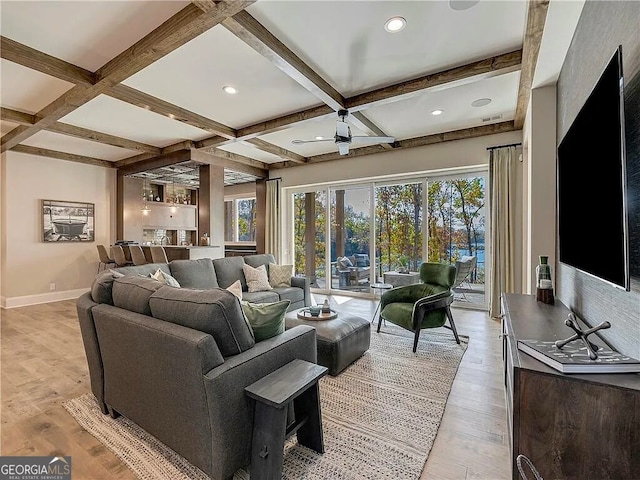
591 184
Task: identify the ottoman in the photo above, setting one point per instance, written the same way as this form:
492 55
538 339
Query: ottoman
341 341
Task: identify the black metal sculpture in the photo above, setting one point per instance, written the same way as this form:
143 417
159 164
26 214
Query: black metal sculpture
580 334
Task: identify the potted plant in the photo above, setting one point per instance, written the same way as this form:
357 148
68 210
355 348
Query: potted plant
403 261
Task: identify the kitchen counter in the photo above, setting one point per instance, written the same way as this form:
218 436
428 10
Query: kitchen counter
187 252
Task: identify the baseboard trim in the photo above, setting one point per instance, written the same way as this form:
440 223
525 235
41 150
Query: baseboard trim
24 301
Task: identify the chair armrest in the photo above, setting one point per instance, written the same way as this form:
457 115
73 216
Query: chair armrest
434 302
409 293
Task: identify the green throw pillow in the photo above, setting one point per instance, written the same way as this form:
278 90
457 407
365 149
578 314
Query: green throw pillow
266 319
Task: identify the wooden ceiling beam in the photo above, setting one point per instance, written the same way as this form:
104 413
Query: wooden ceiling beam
229 161
360 120
278 151
16 116
28 57
184 26
44 152
472 72
462 134
148 102
536 18
105 138
254 34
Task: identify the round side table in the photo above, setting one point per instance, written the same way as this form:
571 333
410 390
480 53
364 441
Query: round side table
379 288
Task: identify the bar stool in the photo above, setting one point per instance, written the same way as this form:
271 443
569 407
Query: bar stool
105 260
117 252
158 255
137 255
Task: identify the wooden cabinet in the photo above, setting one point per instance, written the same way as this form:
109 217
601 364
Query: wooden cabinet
570 426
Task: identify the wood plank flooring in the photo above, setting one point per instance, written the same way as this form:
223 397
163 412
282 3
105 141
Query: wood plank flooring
42 364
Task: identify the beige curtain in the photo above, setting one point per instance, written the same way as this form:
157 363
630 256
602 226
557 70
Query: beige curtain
502 178
272 238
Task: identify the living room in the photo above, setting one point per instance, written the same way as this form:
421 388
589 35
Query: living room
581 38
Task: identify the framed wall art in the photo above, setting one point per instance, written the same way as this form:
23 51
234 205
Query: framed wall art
67 221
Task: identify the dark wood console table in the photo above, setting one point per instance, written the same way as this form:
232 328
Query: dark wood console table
571 426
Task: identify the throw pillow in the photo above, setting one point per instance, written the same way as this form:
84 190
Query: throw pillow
280 275
165 278
236 289
257 278
266 319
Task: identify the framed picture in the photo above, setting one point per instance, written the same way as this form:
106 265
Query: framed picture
67 221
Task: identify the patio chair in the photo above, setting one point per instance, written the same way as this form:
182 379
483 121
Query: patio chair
464 269
422 305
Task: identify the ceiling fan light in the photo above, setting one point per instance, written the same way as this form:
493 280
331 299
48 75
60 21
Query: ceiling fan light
437 111
229 89
481 102
395 24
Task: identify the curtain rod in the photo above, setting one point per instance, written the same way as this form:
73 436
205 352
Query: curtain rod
502 146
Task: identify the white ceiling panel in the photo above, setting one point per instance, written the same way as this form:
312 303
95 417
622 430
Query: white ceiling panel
85 33
249 150
78 146
108 115
6 127
347 44
193 76
27 90
325 127
412 118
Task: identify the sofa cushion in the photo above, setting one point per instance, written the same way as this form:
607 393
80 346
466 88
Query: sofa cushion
132 292
228 270
280 275
215 311
261 297
257 278
344 262
260 259
101 287
294 294
266 319
194 273
143 270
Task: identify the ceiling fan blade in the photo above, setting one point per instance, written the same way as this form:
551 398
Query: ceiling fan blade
343 148
342 129
296 142
363 140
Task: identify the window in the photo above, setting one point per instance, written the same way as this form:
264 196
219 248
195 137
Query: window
240 220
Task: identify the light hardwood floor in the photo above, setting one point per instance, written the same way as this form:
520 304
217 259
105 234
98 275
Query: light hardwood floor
42 364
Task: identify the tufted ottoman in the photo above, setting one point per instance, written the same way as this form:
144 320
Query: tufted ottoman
341 341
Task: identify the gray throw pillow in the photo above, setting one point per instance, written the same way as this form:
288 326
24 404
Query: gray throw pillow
132 292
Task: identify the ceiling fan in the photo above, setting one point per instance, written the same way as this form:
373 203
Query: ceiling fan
343 137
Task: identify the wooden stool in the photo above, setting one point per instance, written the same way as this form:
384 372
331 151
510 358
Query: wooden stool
296 382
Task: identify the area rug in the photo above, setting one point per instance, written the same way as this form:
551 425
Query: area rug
380 417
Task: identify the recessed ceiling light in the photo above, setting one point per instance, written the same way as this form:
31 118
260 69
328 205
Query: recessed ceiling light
395 24
319 138
230 90
481 102
437 112
460 5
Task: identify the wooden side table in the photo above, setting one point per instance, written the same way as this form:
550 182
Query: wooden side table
296 382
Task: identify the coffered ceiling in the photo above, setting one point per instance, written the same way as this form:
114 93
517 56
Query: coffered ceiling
129 84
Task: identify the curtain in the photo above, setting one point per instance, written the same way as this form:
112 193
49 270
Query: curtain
502 207
272 237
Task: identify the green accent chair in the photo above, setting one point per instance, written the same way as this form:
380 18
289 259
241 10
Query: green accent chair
422 305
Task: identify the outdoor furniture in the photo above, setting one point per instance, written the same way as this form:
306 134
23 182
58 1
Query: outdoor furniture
137 255
104 258
423 305
297 383
341 341
158 255
464 269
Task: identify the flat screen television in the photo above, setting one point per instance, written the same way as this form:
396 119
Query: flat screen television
591 184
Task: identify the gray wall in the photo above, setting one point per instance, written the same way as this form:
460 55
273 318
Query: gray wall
602 27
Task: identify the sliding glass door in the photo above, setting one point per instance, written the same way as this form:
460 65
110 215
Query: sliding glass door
382 227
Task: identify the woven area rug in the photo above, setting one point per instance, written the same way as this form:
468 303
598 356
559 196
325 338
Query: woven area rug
380 417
